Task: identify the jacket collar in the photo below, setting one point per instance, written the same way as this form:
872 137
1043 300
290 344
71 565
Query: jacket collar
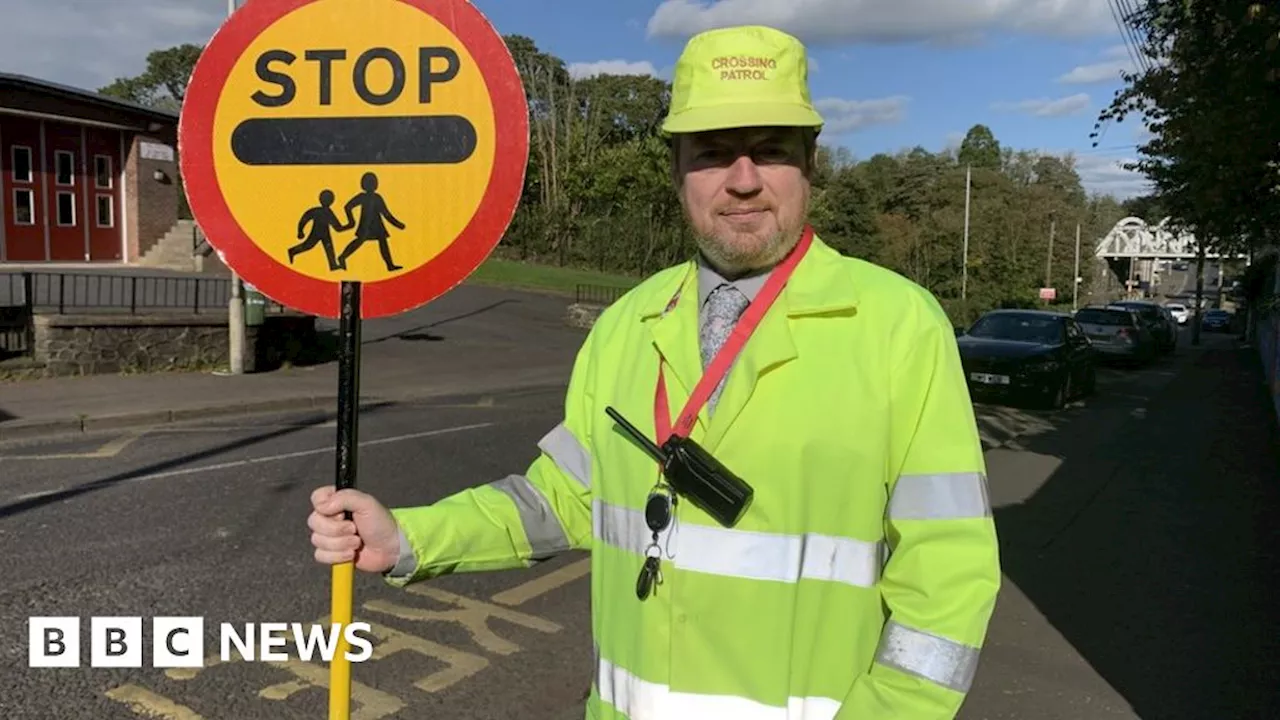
820 285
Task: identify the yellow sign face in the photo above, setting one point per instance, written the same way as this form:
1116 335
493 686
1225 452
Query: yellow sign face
354 139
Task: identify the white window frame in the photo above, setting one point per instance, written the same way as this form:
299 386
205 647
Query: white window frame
111 178
31 193
57 208
111 210
57 168
31 164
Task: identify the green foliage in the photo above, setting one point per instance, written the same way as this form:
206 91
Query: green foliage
1209 92
164 83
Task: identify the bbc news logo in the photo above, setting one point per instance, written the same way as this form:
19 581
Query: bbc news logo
178 642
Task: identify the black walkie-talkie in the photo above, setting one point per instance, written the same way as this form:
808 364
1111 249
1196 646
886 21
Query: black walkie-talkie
695 474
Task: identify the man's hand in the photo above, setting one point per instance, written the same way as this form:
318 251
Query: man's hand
371 537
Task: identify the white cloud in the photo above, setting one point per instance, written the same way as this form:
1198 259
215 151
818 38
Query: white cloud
947 21
1046 107
845 116
611 67
1115 60
1104 174
89 43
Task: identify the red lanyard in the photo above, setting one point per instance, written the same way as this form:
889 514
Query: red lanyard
724 358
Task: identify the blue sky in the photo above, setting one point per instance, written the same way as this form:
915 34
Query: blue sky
889 74
1035 71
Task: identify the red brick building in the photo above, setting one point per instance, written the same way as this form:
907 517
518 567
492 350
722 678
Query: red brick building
86 178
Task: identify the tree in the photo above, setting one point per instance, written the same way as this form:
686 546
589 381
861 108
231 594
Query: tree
164 83
1209 93
979 148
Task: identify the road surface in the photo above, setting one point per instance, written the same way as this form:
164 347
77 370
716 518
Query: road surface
1135 549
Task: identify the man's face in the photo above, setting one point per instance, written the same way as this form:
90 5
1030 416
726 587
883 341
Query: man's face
745 193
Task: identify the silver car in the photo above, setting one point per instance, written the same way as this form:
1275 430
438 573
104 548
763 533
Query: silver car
1118 333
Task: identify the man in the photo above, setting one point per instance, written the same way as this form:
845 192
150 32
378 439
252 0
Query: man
860 579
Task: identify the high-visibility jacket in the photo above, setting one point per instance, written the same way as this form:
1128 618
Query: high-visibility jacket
861 580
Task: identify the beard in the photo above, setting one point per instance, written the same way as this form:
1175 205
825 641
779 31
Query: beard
741 253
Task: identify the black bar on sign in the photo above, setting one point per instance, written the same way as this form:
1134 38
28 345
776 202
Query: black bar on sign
413 140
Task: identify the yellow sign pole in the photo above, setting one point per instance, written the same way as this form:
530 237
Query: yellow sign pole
340 670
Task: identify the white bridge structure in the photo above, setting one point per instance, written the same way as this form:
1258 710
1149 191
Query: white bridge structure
1134 238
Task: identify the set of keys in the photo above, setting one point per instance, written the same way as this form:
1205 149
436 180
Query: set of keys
658 513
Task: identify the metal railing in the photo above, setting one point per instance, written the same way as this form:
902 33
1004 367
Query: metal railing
70 292
598 294
24 294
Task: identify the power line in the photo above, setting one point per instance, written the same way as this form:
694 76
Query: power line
1127 14
1124 37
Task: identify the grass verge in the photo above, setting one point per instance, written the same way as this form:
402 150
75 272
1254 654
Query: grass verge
546 278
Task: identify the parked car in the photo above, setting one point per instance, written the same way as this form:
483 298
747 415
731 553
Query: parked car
1179 312
1028 355
1158 318
1216 321
1118 333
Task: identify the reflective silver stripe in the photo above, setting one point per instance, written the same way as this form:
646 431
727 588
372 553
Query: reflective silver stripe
643 700
744 554
938 660
569 454
945 496
541 526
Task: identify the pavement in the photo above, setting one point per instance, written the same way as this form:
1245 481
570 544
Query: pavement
1137 531
473 339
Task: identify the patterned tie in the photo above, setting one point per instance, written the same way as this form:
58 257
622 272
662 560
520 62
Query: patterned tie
720 314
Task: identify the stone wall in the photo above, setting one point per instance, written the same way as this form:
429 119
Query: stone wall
583 315
97 344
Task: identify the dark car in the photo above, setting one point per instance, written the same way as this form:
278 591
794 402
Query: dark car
1158 318
1216 321
1034 355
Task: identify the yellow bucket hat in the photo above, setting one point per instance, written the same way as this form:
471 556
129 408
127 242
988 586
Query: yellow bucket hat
747 76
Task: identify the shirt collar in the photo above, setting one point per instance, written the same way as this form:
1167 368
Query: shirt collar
709 279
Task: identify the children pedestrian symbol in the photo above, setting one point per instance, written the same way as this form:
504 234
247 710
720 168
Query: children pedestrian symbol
322 222
373 210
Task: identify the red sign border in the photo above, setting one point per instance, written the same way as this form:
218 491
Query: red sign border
403 292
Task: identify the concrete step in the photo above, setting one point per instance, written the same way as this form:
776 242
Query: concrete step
173 250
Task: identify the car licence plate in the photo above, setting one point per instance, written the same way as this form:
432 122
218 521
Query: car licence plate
990 379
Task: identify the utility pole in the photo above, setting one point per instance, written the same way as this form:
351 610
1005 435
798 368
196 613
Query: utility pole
964 278
235 308
1075 278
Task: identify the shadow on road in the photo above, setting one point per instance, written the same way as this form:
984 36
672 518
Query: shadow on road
1151 547
418 333
57 496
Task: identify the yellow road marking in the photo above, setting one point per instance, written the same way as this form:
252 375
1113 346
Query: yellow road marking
544 584
109 450
148 704
461 664
371 704
472 614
